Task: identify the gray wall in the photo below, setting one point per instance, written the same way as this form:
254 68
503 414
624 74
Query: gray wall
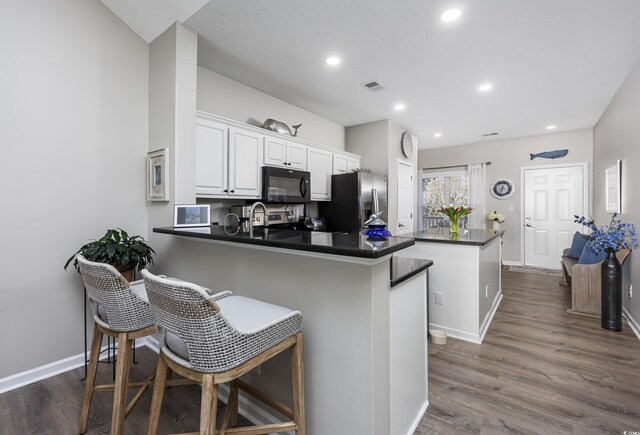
507 157
222 96
74 105
617 136
370 141
172 107
379 145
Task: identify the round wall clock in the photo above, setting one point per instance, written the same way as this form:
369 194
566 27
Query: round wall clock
502 188
407 144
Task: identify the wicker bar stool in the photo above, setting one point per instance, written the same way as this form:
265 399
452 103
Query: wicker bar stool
214 339
120 310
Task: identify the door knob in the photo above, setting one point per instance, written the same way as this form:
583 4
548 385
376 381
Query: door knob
527 222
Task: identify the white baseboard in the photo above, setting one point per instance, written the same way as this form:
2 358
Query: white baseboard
48 370
633 324
456 333
511 263
470 336
489 317
416 422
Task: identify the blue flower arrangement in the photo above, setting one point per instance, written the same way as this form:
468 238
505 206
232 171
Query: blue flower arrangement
612 237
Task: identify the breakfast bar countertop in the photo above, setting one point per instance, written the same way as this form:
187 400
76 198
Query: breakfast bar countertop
350 245
473 237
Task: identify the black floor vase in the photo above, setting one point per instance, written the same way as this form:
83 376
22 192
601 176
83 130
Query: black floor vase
611 295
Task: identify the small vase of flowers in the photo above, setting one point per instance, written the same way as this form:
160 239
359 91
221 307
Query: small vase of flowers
454 213
496 218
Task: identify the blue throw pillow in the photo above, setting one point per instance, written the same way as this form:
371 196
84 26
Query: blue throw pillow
590 257
577 246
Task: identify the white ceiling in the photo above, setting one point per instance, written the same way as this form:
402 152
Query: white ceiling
551 61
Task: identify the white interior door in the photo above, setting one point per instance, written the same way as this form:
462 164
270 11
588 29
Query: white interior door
405 198
552 196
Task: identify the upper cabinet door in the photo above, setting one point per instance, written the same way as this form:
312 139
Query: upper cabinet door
245 157
353 163
339 164
211 158
320 164
275 152
296 156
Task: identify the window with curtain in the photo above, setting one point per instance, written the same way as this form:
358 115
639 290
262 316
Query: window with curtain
439 189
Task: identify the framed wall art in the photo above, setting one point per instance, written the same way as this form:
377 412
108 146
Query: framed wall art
612 188
158 175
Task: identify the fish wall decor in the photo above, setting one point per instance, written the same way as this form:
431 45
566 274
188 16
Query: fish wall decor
550 154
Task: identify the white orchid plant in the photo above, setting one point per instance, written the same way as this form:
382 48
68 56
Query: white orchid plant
496 217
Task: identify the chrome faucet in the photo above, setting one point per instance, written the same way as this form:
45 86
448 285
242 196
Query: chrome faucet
251 216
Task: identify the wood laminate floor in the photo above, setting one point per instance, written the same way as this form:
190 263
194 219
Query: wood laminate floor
52 406
538 371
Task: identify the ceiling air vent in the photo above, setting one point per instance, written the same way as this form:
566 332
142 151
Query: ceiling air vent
490 134
372 86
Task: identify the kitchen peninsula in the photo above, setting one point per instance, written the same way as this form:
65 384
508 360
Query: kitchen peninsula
365 345
465 280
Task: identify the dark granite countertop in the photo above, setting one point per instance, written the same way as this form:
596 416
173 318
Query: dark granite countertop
350 245
403 268
466 237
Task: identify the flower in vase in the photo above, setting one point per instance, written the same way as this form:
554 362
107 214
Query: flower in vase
617 235
454 213
496 217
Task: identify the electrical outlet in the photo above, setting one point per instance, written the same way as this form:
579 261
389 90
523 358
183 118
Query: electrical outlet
630 291
438 298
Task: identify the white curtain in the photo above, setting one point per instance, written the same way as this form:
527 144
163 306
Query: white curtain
477 218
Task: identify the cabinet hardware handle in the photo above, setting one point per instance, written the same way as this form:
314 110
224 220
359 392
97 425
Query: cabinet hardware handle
233 191
226 190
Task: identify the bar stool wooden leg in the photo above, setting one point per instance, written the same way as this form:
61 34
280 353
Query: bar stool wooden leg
162 372
96 343
208 405
297 374
122 381
234 411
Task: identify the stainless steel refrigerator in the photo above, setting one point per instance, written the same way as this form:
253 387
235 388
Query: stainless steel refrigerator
351 201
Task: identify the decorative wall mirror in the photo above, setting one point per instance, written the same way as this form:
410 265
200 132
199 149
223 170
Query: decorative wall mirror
613 200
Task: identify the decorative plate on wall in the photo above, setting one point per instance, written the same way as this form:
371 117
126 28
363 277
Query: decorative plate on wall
502 188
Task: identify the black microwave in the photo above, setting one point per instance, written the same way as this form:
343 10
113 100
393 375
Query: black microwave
285 186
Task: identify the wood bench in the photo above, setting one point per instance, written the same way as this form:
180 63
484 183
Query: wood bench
585 282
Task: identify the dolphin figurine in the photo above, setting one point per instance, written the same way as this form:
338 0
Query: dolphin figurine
280 127
550 154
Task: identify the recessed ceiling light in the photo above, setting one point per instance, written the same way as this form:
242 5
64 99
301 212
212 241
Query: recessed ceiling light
485 87
551 127
399 107
437 135
450 15
333 61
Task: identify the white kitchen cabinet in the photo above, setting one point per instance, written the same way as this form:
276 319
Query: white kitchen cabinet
297 156
339 163
211 158
353 163
245 155
320 165
228 161
283 153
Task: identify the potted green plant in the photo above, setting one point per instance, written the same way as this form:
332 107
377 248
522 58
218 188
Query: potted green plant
117 248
